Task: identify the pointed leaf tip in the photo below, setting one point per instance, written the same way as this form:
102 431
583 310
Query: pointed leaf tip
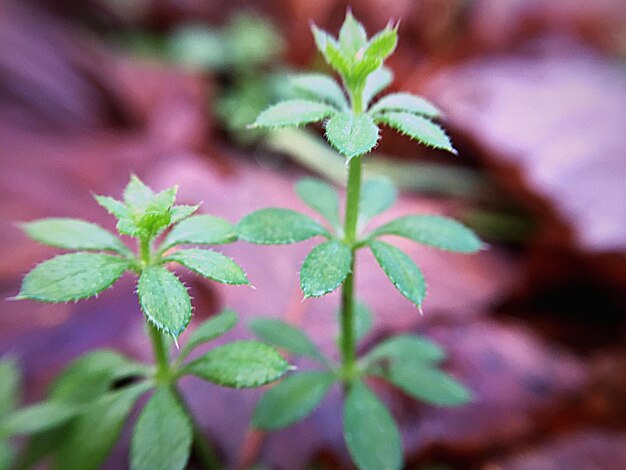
403 273
164 300
418 128
352 35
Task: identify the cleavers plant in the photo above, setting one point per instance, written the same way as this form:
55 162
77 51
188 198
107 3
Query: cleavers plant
410 362
88 404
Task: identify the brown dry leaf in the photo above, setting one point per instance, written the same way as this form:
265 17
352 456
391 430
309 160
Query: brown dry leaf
550 121
591 449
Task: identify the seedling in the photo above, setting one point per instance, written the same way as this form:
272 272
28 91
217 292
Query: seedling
351 122
86 407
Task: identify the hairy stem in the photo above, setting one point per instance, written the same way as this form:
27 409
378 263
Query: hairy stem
144 251
356 98
161 356
348 335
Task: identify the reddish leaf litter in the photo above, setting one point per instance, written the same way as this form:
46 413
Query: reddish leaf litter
540 114
551 120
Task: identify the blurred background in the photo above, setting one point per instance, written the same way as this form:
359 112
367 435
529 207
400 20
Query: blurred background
534 97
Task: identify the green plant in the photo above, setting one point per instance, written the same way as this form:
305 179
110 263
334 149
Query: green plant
410 362
87 405
241 52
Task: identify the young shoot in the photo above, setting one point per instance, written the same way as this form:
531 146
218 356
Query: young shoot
86 407
351 117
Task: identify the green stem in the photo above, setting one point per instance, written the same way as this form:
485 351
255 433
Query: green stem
144 251
353 195
160 355
356 97
165 376
348 334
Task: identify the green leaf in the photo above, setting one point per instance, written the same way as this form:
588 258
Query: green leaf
322 38
129 227
337 59
325 268
164 300
180 213
72 277
371 58
382 44
198 48
418 128
36 418
275 226
428 384
320 87
291 400
163 201
92 376
200 230
210 264
86 379
251 41
7 456
283 335
360 72
210 329
331 51
407 349
113 206
293 113
376 82
9 385
440 232
39 446
377 196
74 234
401 271
145 214
240 364
92 435
150 225
162 435
352 35
405 102
321 197
370 432
137 195
352 135
156 215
